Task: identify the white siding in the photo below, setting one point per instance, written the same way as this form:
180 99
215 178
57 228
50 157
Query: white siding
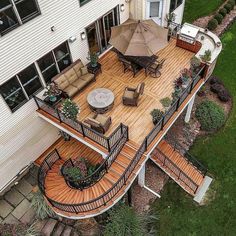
22 47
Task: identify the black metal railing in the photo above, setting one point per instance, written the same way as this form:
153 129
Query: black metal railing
174 107
106 142
178 173
114 190
101 170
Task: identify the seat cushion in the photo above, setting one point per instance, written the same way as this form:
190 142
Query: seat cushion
62 82
102 119
71 90
71 75
79 83
77 68
84 70
92 122
129 94
88 77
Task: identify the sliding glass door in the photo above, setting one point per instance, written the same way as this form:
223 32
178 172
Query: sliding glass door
99 33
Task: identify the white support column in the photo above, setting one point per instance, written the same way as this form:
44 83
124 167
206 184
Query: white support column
141 176
189 109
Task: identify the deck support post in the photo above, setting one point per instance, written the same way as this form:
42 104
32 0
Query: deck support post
189 109
141 176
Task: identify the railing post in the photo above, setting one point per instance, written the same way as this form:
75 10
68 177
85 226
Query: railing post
108 145
121 128
72 162
58 114
104 202
146 144
57 153
75 209
82 128
48 165
177 106
162 122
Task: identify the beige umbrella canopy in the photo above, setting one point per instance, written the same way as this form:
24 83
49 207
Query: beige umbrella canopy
139 38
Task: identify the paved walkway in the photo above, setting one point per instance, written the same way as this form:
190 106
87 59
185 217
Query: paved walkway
15 205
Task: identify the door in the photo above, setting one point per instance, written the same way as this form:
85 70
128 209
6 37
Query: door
109 21
154 10
93 38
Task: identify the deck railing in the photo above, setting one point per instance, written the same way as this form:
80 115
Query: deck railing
92 179
172 167
174 107
84 130
122 181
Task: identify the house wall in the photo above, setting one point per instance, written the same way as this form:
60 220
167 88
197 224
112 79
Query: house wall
23 135
138 10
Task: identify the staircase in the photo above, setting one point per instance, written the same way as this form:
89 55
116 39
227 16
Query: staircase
178 167
51 227
57 190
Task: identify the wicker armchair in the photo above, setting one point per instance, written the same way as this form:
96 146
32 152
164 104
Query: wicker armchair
99 123
130 66
131 95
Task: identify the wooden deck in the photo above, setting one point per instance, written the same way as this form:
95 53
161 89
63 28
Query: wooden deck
71 149
137 118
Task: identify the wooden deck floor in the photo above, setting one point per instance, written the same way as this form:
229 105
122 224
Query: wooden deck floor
137 118
72 149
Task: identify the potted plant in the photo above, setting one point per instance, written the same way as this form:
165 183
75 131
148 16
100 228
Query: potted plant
52 91
93 58
186 77
70 109
206 56
166 103
157 115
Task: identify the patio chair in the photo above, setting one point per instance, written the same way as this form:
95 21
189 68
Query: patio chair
129 66
131 95
154 69
99 123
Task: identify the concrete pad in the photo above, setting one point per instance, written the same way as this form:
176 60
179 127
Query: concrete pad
21 209
203 189
24 187
28 217
5 209
11 220
31 179
14 197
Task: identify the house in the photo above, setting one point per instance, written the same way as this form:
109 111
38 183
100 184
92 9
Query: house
41 40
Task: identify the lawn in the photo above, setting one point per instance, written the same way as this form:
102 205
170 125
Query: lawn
198 8
179 215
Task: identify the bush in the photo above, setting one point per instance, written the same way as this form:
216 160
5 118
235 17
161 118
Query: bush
212 24
124 221
228 7
224 95
156 115
232 2
223 12
216 87
214 80
166 102
219 18
210 115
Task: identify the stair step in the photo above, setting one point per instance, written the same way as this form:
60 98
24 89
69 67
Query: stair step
58 229
49 227
67 231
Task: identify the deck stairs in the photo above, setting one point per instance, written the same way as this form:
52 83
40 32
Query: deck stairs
178 167
55 183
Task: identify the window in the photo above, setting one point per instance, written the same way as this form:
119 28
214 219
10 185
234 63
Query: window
19 89
16 12
174 4
82 2
154 9
54 62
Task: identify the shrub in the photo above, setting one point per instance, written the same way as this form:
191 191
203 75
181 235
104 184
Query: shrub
216 87
40 206
124 221
214 80
232 2
212 24
228 7
223 12
156 115
207 56
210 115
166 102
70 109
219 18
224 95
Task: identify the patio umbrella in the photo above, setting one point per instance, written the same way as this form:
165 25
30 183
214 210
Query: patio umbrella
139 38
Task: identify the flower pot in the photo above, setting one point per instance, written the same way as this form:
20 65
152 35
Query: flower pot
52 98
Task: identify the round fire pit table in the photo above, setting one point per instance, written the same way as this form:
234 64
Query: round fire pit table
101 100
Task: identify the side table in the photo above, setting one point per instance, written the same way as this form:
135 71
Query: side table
94 70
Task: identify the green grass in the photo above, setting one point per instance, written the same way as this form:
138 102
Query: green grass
218 153
198 8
